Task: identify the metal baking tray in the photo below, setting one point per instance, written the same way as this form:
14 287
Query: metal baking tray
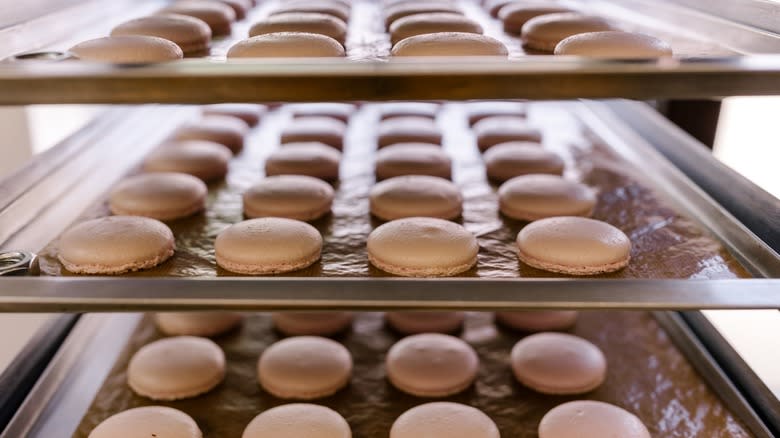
709 63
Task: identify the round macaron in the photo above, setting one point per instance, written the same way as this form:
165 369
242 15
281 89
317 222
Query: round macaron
415 195
412 159
203 159
514 15
591 419
573 245
491 131
433 22
313 159
444 420
292 196
131 49
304 368
412 323
240 7
307 22
532 197
508 160
391 110
450 44
176 368
401 10
312 323
614 44
115 244
225 130
558 363
248 112
431 365
148 421
335 110
298 420
481 110
422 247
544 32
269 245
315 129
191 34
494 7
163 196
335 9
217 15
411 129
287 45
538 320
197 323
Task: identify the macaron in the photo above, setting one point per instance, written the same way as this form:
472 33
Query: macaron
412 159
507 160
334 110
533 197
197 323
493 7
304 368
270 245
225 130
401 10
163 196
248 112
313 159
573 245
515 15
176 368
419 24
320 129
444 420
481 110
614 44
410 129
422 247
312 323
148 421
131 49
203 159
115 244
591 419
412 323
217 15
450 44
292 196
333 8
491 131
308 22
544 32
391 110
415 195
431 365
538 320
287 45
239 7
298 420
192 35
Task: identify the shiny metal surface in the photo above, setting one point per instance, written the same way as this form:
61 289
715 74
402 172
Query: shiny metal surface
17 263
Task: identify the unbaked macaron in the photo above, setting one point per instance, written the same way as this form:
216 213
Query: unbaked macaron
163 196
412 159
115 244
269 245
313 159
614 44
533 197
591 419
491 131
515 15
415 195
287 45
444 420
218 16
314 128
292 196
148 421
131 49
573 245
411 323
410 129
225 130
204 159
515 158
433 22
304 368
176 368
197 323
538 320
248 112
312 323
450 44
422 247
297 420
544 32
191 34
308 22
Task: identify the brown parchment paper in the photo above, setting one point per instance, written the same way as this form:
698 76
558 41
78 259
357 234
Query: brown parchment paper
647 375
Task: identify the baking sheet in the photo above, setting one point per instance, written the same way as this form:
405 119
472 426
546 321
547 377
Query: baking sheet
647 375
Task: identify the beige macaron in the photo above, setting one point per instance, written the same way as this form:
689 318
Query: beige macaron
217 15
538 320
176 368
573 245
515 158
191 34
304 368
115 244
483 109
240 7
334 110
130 49
409 129
419 24
401 10
312 323
422 247
532 197
591 419
544 32
270 245
614 44
163 196
248 112
225 130
313 128
292 196
313 159
450 44
204 159
444 420
287 45
333 8
415 195
197 323
296 420
308 22
515 15
412 159
491 131
494 7
148 421
412 323
391 110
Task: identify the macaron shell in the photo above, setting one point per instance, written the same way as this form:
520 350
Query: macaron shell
148 421
315 129
203 159
398 11
516 14
444 420
491 131
162 196
412 159
539 320
546 31
415 195
308 22
412 323
478 111
532 197
334 110
391 110
191 34
249 113
614 44
297 420
287 45
290 196
408 129
225 130
335 9
312 159
434 22
591 419
218 16
508 160
197 323
450 44
131 49
312 323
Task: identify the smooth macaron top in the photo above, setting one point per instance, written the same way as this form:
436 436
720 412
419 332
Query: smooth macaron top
159 195
414 322
297 420
128 49
591 419
311 323
516 14
309 22
415 195
315 128
196 323
148 421
401 10
225 130
292 196
190 33
333 8
335 110
532 197
450 44
546 31
412 159
419 24
508 160
494 130
206 160
408 129
483 109
390 110
217 15
287 45
308 158
614 44
444 420
248 112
